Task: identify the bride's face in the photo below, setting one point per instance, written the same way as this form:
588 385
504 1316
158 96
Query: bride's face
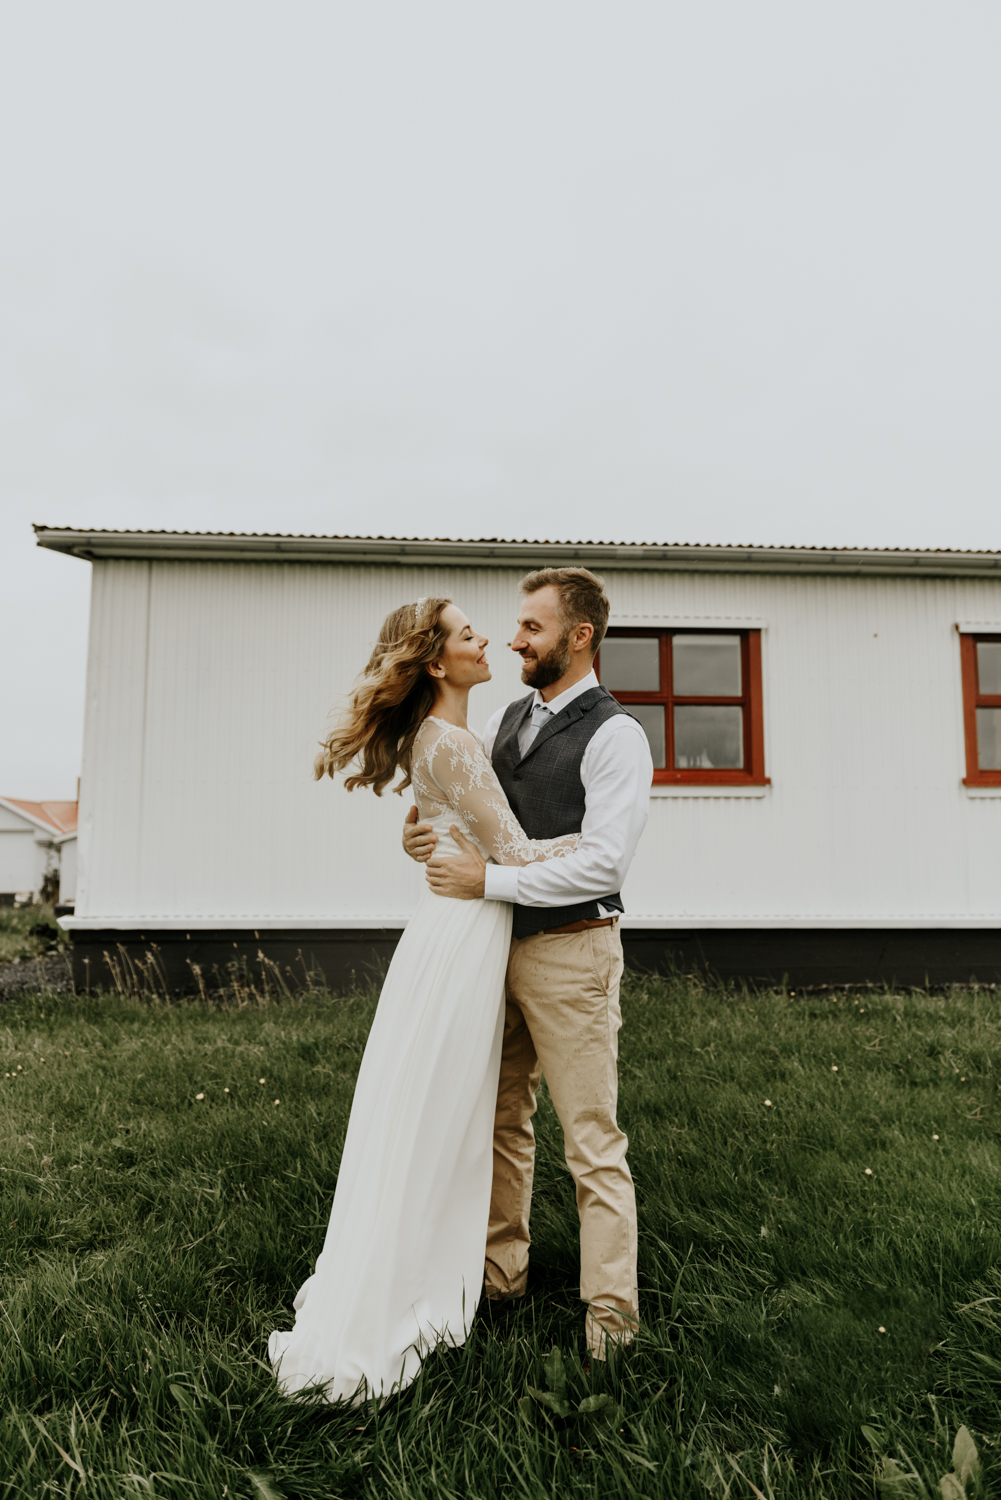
463 662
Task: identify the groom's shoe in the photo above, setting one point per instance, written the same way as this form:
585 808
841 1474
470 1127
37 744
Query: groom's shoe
616 1356
495 1310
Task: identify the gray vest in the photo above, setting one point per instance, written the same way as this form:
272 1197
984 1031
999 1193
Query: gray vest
545 790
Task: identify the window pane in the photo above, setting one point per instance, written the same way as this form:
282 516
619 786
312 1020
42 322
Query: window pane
708 738
651 716
706 665
989 739
989 666
630 665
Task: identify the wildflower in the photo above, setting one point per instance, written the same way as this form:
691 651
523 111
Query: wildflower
262 1080
768 1104
225 1091
199 1096
834 1067
868 1171
278 1101
881 1328
934 1137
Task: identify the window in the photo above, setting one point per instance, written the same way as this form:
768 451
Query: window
981 660
697 694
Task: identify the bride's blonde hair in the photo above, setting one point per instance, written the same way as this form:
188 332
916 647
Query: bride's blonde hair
390 701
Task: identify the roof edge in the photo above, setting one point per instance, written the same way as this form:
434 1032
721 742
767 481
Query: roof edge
170 546
12 805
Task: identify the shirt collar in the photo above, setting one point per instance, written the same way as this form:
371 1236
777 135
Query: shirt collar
557 705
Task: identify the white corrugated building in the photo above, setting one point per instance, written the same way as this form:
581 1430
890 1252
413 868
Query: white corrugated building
826 723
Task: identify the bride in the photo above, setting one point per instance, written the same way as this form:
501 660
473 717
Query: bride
402 1263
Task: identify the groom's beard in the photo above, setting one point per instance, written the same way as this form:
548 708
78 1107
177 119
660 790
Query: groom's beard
542 671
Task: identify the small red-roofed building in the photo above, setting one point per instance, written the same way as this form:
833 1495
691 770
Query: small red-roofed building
37 848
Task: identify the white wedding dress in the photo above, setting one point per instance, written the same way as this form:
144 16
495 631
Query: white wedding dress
402 1263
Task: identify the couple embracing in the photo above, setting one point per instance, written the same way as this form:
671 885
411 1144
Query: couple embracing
508 970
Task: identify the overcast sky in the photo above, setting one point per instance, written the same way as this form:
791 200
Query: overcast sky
713 271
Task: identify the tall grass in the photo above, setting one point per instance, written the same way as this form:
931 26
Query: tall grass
804 1320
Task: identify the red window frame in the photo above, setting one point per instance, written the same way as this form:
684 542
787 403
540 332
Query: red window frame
753 771
973 699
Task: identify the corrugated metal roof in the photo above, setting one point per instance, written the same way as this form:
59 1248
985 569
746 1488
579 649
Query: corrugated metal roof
313 536
231 546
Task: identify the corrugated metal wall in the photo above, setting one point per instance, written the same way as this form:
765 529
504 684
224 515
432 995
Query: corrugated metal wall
866 819
209 684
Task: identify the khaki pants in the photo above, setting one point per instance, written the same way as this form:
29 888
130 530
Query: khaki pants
563 1021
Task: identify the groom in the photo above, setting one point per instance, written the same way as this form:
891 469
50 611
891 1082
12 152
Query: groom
571 760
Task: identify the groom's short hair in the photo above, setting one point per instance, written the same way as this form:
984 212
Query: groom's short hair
581 595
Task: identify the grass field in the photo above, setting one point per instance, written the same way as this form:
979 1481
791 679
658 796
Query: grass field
806 1321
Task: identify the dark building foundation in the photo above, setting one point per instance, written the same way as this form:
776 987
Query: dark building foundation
805 957
175 962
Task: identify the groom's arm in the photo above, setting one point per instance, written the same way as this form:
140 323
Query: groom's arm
616 772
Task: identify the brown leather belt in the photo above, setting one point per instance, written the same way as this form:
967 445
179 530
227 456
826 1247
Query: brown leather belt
581 926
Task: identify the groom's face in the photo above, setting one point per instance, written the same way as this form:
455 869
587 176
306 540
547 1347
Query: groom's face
541 640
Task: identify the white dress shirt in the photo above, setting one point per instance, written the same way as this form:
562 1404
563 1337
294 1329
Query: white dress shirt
616 772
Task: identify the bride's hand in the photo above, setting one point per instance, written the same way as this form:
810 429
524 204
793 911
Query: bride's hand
419 839
461 876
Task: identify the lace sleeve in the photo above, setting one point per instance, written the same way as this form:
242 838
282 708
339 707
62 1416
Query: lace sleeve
459 766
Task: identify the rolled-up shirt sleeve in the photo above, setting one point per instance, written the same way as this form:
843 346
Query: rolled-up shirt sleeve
616 772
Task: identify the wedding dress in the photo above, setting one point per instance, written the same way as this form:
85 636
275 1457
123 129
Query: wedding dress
402 1263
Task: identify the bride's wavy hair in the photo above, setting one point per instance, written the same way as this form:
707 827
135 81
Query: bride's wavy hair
389 702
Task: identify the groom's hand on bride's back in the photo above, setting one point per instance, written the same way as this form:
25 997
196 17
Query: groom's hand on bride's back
461 876
419 839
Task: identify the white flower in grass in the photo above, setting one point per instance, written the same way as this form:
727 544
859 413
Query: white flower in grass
868 1171
225 1091
278 1101
262 1080
934 1137
768 1104
881 1328
199 1096
834 1067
